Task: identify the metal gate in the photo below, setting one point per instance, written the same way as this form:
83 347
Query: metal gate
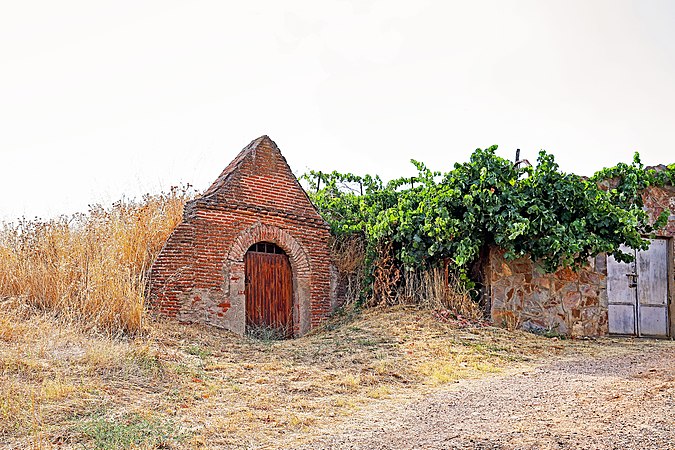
638 292
269 290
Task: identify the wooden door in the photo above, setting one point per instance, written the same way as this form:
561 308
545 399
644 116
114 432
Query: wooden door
269 290
638 292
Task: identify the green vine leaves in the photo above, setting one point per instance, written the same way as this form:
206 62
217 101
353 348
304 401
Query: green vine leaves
558 218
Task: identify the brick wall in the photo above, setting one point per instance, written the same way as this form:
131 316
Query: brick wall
199 275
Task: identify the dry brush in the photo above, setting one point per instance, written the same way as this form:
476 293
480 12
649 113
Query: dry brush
92 267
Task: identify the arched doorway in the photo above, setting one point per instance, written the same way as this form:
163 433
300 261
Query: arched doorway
268 291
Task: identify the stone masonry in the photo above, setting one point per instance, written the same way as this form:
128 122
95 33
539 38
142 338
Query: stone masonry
566 302
570 303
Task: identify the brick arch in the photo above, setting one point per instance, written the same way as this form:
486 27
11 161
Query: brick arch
268 233
300 268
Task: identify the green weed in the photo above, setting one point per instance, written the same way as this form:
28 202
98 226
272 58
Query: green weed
131 431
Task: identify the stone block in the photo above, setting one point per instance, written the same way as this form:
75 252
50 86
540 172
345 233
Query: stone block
567 274
509 294
572 299
601 263
589 301
592 278
543 282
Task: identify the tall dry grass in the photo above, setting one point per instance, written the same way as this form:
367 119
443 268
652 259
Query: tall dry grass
427 288
433 288
348 255
91 267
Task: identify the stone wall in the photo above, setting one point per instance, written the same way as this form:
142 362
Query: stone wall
523 295
572 303
199 275
657 200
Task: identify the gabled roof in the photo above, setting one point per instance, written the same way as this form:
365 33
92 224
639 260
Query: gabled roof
259 179
250 149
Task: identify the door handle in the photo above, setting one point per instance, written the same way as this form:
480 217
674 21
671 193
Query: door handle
632 279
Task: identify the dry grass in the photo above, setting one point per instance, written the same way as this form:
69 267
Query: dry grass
90 267
433 288
196 387
348 254
429 288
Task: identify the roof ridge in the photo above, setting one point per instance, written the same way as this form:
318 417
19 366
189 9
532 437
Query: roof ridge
248 153
234 164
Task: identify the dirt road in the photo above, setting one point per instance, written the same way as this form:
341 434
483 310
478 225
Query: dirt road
618 395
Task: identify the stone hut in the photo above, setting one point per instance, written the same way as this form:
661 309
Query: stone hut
604 297
252 251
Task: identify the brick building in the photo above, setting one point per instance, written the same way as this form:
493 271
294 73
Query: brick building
251 252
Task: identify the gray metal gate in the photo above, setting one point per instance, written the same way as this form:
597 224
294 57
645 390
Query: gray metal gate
638 292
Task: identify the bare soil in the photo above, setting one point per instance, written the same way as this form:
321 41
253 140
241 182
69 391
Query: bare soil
616 394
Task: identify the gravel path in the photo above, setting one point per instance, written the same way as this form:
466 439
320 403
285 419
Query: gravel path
623 397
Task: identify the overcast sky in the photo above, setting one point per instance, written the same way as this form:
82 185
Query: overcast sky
104 99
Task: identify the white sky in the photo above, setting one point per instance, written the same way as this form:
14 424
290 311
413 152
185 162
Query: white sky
104 99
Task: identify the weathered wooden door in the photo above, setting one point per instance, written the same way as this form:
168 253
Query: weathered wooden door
269 290
638 292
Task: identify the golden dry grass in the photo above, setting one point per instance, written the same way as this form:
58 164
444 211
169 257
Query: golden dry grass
197 387
90 267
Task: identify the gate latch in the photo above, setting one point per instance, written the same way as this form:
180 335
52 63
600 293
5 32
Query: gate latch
632 279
